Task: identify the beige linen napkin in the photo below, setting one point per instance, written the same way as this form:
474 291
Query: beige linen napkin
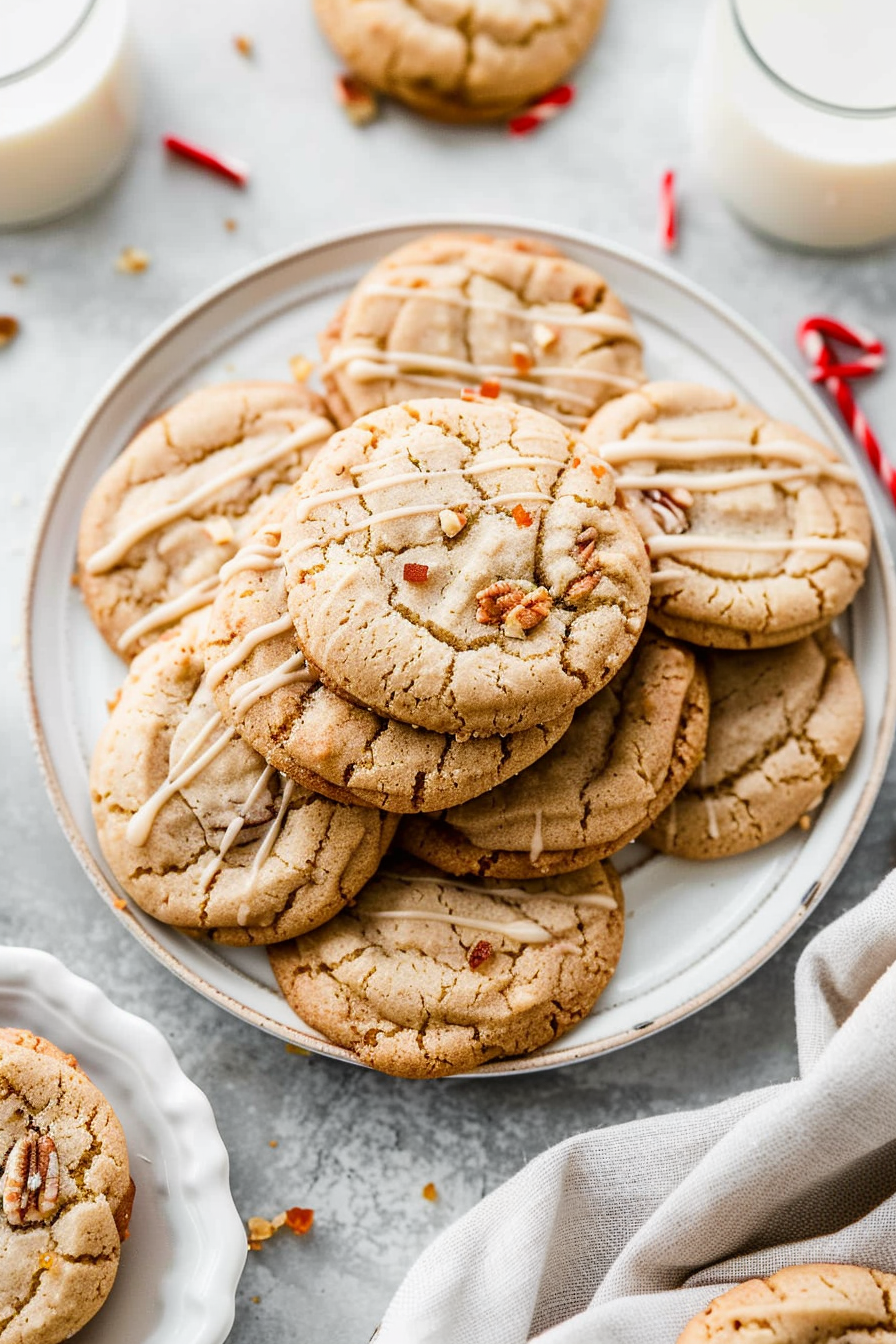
620 1235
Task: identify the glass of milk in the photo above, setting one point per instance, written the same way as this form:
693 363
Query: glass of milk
68 103
794 109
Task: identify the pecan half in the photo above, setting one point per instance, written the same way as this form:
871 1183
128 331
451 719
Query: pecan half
528 613
31 1180
579 589
495 601
585 544
668 508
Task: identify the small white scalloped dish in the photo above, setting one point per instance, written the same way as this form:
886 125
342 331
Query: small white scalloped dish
182 1262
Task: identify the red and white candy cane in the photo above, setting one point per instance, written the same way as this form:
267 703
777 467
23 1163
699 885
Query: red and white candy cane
814 335
546 107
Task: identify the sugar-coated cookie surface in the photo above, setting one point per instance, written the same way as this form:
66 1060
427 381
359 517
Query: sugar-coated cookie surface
461 60
802 1304
66 1193
200 831
783 724
461 567
454 310
316 736
426 975
181 499
629 751
757 534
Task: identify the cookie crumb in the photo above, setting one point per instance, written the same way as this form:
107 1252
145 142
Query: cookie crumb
113 700
300 368
805 822
256 1300
120 903
357 99
273 1143
18 278
299 1221
9 329
132 261
296 1049
430 1192
231 225
244 45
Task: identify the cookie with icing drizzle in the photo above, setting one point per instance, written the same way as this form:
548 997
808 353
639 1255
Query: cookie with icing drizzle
783 725
802 1304
757 534
262 684
66 1192
453 311
629 751
464 60
426 975
200 830
463 567
182 498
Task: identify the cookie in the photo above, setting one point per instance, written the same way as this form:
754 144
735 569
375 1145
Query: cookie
455 310
757 534
200 831
458 61
181 499
426 975
802 1304
318 738
783 724
629 751
66 1193
458 566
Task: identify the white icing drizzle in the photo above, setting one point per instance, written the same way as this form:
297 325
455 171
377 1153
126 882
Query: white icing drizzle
519 930
141 823
712 821
110 555
191 599
712 482
255 555
234 829
670 574
622 451
289 673
367 364
595 898
240 653
306 506
536 849
661 543
605 324
266 847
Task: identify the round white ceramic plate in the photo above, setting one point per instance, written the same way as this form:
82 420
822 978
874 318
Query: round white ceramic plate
183 1260
693 930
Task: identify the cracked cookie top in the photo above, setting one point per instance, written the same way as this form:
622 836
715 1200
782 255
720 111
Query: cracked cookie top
426 975
181 499
66 1192
262 684
630 749
757 534
783 724
459 566
200 830
457 60
802 1304
454 310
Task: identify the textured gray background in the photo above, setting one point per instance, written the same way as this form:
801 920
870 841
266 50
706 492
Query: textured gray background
357 1147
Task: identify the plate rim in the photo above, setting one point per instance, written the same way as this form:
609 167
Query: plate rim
204 1185
424 223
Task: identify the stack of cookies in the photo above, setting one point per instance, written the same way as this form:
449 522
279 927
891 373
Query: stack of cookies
520 623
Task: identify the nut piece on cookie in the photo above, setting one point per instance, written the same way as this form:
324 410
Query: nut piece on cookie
462 62
783 725
182 498
495 971
757 534
629 751
491 643
455 311
801 1303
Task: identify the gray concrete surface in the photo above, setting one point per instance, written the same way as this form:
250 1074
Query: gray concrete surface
358 1147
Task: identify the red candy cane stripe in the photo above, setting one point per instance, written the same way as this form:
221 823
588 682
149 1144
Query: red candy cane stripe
668 213
543 109
215 163
813 336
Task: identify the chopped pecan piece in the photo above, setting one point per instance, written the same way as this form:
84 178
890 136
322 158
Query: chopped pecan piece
579 589
509 605
668 511
495 602
527 614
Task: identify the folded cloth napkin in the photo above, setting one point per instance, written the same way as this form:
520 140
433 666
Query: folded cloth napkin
620 1235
